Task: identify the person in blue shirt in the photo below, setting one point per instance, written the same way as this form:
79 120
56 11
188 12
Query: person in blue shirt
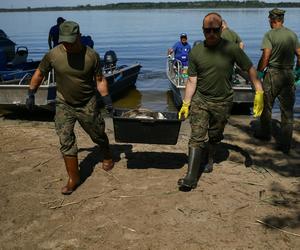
181 50
54 33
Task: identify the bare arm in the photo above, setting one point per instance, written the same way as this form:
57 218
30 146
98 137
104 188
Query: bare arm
253 78
190 88
264 60
102 85
241 44
36 80
170 51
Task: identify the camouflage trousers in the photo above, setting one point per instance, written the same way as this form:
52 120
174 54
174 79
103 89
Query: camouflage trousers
279 83
208 120
90 120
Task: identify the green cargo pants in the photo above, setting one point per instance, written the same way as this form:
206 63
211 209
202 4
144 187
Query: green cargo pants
90 120
279 83
208 120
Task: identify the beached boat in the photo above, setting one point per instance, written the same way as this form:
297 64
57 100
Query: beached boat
13 92
243 90
14 62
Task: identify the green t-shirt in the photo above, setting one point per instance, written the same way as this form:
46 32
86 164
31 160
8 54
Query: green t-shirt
231 36
213 68
283 43
74 73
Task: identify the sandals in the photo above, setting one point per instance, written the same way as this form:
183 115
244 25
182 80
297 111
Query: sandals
108 165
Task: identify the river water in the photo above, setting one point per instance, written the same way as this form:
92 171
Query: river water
143 36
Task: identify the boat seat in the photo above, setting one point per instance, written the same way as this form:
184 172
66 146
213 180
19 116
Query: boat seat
20 56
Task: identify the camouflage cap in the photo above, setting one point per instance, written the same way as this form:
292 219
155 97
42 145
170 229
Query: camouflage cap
68 32
276 13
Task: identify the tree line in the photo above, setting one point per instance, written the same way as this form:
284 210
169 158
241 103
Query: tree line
163 5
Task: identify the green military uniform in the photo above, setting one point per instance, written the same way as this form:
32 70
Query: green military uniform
279 80
231 36
212 101
76 96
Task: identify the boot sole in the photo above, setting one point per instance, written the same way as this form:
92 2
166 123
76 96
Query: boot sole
184 186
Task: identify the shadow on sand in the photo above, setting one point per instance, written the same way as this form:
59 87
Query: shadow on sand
289 167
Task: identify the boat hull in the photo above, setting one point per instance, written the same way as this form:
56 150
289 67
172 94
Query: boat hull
14 95
243 93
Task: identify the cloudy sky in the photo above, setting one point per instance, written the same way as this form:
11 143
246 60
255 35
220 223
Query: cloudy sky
47 3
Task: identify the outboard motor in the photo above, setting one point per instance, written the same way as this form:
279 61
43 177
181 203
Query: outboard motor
110 60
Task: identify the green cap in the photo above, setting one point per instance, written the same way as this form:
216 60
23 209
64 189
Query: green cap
276 13
68 32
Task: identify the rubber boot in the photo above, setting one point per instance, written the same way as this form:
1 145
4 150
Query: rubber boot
286 137
71 163
210 164
190 180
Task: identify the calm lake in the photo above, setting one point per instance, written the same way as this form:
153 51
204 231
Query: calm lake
143 36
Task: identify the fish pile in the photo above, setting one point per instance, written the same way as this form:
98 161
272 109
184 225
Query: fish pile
143 114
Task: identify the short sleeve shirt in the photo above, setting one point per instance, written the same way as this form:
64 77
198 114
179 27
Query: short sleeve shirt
74 72
283 43
181 50
231 36
213 68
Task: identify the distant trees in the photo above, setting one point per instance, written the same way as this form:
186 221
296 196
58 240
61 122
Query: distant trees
167 5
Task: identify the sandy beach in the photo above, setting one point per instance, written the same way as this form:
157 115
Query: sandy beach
250 201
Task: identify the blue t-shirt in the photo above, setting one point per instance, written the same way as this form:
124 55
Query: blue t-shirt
54 33
181 52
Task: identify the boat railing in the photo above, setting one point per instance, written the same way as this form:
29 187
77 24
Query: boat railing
175 72
50 79
25 79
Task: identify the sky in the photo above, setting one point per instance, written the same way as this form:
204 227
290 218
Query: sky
47 3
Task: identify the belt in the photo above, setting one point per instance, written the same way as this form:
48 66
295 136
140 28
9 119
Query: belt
280 68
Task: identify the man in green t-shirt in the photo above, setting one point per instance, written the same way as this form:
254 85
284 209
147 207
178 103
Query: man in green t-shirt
279 47
230 35
209 94
78 78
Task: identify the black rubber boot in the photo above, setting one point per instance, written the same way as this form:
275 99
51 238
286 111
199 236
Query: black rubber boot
190 180
211 153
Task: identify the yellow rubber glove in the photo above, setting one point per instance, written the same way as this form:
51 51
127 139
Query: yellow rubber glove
258 103
184 110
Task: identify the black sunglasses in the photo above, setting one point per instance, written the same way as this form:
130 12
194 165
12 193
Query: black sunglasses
209 30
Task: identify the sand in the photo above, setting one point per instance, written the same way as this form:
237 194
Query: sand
250 201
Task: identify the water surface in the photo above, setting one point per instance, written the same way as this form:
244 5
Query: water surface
143 36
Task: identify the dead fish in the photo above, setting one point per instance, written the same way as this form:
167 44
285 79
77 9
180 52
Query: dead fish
143 114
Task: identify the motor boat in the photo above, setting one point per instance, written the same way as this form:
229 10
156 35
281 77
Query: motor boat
241 84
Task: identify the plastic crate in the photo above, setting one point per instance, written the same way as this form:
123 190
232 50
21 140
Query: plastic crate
148 131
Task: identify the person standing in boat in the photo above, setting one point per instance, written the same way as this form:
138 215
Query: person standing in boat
54 33
279 47
78 79
181 50
209 95
230 35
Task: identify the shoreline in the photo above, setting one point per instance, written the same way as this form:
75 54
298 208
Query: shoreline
162 5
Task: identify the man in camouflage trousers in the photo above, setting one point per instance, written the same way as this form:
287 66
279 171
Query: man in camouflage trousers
78 78
209 94
279 46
